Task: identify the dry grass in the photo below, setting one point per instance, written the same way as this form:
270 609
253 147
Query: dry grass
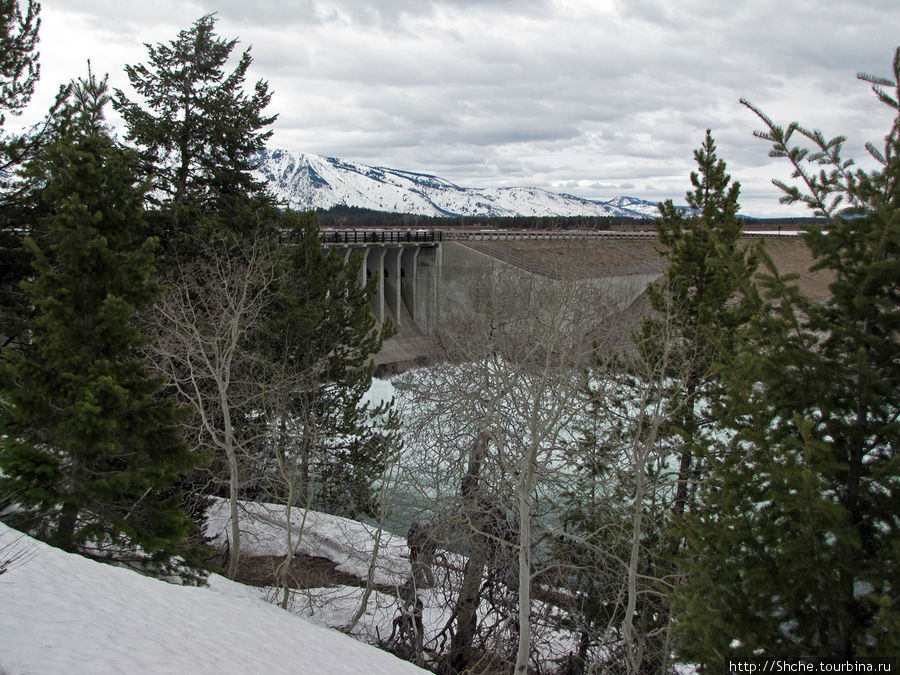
306 572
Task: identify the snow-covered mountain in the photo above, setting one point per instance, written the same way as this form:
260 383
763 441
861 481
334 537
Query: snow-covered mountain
306 181
641 207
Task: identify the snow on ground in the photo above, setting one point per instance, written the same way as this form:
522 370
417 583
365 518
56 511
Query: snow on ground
64 613
350 545
347 543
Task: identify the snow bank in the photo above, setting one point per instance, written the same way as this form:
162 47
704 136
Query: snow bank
63 613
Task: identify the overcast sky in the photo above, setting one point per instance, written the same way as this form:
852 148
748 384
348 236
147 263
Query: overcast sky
597 98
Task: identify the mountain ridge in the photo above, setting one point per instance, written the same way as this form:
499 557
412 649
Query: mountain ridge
307 181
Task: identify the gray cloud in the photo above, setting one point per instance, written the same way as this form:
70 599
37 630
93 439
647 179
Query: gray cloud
595 97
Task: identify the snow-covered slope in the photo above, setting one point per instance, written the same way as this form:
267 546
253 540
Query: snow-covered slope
61 613
642 207
306 181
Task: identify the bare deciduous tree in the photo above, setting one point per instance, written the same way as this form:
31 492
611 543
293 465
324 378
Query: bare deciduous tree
199 332
493 419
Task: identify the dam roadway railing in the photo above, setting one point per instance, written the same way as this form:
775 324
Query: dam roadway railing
408 235
401 235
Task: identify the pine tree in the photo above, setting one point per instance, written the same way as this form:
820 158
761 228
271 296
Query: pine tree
19 71
19 67
797 552
321 331
643 451
87 445
706 291
199 132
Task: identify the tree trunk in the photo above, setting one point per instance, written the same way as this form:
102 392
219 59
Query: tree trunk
523 649
233 482
234 558
64 537
65 533
283 572
470 590
685 474
633 654
523 500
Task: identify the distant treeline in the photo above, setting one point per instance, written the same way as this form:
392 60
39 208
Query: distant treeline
352 216
355 217
776 223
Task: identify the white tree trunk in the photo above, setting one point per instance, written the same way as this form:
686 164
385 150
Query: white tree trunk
524 647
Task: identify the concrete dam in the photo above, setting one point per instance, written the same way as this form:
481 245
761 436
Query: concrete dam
419 272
